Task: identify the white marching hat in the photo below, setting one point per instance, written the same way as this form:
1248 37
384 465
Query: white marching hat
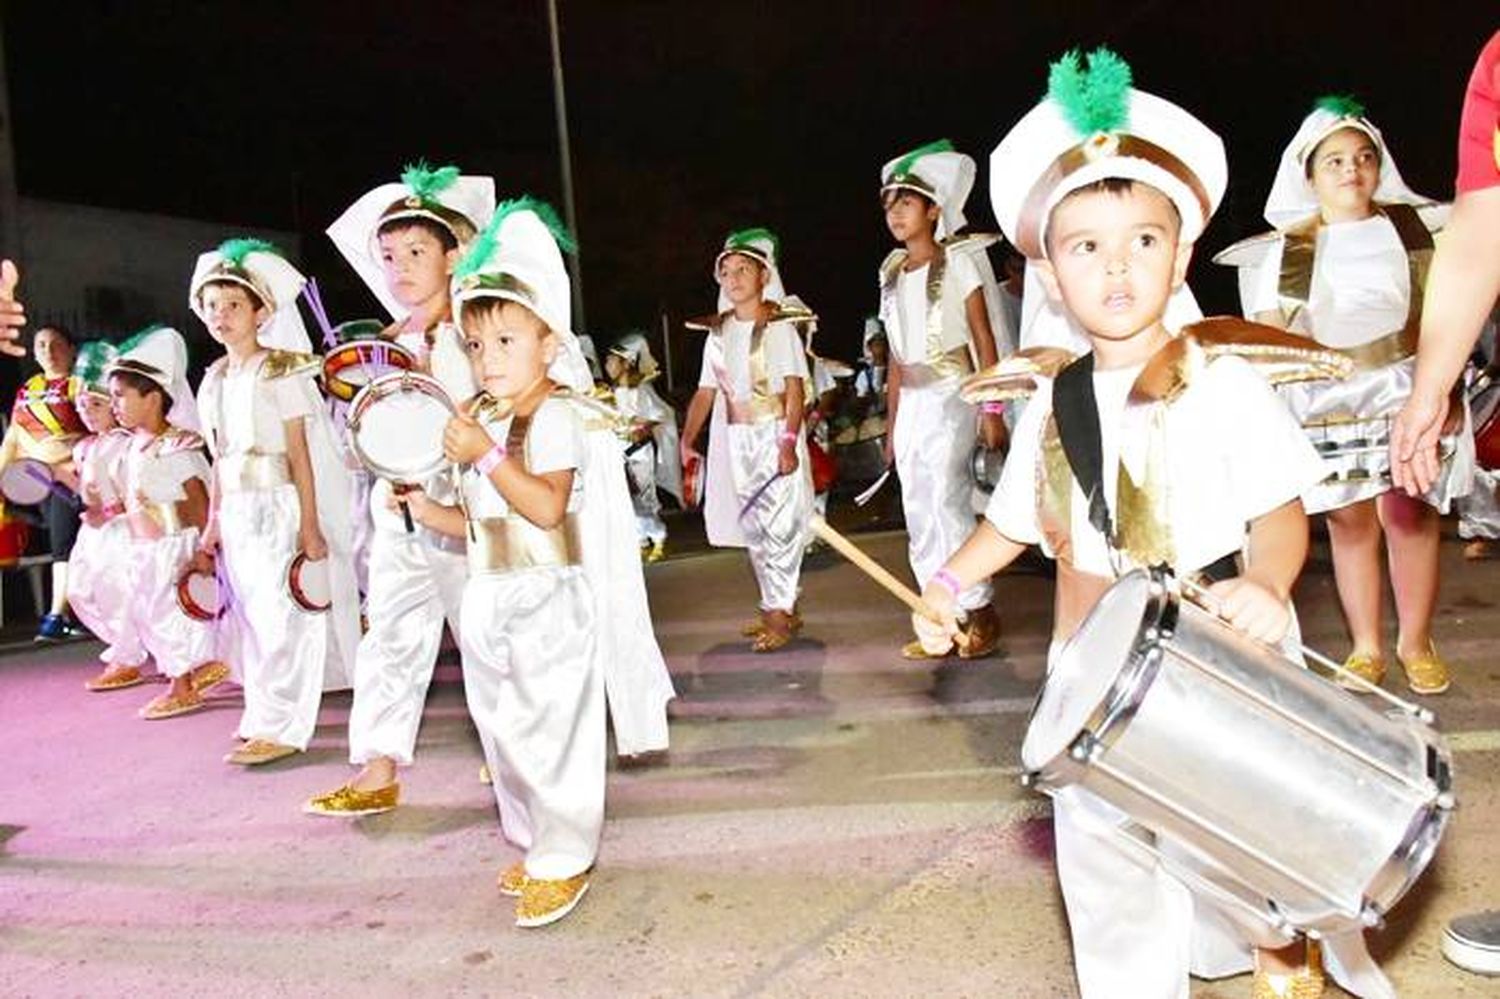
762 246
939 173
459 203
1093 125
259 267
160 354
1292 199
519 258
636 349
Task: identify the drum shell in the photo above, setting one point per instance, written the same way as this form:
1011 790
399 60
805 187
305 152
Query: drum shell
1270 775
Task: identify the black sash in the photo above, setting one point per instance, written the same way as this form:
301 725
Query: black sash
1077 414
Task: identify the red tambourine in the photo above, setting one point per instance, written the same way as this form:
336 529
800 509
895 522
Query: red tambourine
198 596
692 482
351 366
307 584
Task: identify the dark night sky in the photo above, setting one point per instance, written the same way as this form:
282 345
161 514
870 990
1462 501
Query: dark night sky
688 119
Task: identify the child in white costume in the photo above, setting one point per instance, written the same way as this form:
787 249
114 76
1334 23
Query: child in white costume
96 583
531 623
280 489
403 239
940 307
1106 188
754 382
166 475
1346 266
651 455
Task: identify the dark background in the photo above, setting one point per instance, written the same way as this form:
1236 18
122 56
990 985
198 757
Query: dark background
688 119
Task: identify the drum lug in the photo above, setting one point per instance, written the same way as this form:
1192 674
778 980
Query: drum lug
1371 916
1083 747
1029 778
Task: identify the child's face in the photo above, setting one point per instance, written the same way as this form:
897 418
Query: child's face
53 352
416 265
1114 260
510 350
1345 173
231 315
614 366
742 279
876 348
133 409
96 411
908 215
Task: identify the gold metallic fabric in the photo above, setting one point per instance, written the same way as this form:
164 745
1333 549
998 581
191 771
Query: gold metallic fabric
513 543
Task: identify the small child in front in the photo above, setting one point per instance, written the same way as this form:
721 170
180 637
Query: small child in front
529 626
1157 447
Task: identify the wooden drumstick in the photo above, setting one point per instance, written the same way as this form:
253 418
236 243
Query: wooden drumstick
880 574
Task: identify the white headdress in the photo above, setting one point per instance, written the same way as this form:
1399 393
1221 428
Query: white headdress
939 173
259 267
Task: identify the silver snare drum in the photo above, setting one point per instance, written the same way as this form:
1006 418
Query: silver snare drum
1267 785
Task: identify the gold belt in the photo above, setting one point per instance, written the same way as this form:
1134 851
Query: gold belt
509 544
756 409
1389 349
955 363
150 521
250 471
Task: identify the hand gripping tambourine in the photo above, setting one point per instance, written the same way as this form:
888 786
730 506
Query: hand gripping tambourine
198 596
396 428
26 481
351 366
307 584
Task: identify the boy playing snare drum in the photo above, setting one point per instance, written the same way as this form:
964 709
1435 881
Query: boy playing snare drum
1155 448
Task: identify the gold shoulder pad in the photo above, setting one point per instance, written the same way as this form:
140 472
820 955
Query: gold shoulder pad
280 363
890 267
176 439
1015 376
1279 356
706 324
1247 252
971 241
789 311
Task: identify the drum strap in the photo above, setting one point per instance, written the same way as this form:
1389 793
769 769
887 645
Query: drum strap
1076 412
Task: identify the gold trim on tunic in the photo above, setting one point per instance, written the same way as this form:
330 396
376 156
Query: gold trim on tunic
513 543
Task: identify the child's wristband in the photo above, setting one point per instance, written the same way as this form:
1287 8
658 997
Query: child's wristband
788 437
992 408
948 581
494 456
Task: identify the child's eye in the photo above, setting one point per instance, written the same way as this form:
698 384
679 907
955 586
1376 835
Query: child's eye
1145 240
1084 246
505 341
472 346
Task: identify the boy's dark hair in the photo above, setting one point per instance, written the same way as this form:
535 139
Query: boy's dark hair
256 301
887 198
143 385
60 330
1119 187
401 223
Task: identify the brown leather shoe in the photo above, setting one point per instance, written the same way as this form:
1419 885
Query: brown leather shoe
779 628
982 629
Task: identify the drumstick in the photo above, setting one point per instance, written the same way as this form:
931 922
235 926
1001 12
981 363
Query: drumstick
879 573
399 489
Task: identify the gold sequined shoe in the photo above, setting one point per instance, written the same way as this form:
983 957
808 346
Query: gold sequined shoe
116 678
209 675
1306 983
169 705
1363 664
349 802
753 627
656 552
913 651
982 629
513 879
779 629
1426 673
255 752
544 902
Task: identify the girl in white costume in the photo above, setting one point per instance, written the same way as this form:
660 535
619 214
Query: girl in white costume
96 585
531 624
280 489
166 476
754 383
403 240
651 456
1347 265
1106 189
940 307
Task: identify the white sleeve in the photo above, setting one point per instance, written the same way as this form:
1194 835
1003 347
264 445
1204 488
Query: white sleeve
784 356
1012 507
964 273
706 378
1269 460
554 442
1260 290
294 397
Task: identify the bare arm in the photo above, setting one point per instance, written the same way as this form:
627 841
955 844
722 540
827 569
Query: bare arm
892 400
309 534
196 505
1258 603
980 333
431 514
541 499
12 312
698 411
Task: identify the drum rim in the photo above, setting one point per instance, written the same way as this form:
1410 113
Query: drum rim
1418 845
346 391
377 389
299 599
975 460
22 463
186 604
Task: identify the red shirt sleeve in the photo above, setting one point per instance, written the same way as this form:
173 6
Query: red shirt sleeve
1479 128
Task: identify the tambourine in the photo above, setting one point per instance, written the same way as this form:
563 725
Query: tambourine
26 481
351 366
198 596
307 584
396 426
692 482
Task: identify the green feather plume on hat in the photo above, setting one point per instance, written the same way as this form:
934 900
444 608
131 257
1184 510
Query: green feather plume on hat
1096 99
903 166
1343 105
236 250
427 183
747 238
93 357
483 246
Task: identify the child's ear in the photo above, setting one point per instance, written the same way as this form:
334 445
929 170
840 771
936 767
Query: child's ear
262 316
1180 262
450 260
549 347
1048 278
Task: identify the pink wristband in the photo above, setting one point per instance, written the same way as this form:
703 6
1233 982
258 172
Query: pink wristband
992 408
948 581
491 458
787 436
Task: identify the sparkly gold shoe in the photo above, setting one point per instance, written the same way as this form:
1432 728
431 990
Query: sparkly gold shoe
913 651
348 802
255 752
170 706
209 675
513 879
1426 673
544 902
753 627
780 628
1305 983
656 552
116 678
1362 664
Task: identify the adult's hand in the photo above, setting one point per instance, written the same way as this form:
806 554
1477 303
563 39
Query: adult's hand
12 312
1414 442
